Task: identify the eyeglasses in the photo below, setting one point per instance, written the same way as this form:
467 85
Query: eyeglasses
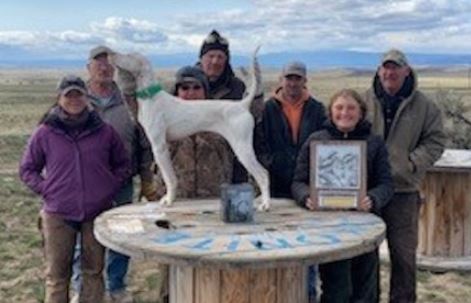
192 87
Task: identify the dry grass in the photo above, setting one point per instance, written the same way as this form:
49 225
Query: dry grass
25 95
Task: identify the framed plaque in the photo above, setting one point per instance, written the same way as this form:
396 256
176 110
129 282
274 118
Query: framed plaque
337 173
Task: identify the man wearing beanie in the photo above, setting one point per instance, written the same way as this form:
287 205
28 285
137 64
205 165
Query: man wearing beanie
223 84
214 61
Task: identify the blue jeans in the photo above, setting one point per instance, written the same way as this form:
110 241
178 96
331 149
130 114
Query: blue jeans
116 264
311 283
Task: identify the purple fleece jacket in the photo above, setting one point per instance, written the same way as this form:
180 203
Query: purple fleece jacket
77 176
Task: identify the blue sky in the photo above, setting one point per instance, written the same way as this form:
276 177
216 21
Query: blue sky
68 29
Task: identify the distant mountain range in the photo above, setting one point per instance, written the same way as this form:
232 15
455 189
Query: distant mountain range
313 59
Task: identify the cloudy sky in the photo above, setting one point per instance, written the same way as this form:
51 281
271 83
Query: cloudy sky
67 29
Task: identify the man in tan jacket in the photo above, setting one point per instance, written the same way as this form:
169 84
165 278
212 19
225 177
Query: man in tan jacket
411 125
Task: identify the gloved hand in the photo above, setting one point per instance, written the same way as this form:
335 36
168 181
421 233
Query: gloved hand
148 190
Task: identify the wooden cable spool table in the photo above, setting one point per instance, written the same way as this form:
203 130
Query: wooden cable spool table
445 217
212 261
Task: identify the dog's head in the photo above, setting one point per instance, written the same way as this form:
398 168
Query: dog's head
131 67
133 63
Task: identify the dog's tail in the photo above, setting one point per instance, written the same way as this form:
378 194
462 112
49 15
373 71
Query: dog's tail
256 80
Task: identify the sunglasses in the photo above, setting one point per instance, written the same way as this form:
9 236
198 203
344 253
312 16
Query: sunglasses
192 87
294 77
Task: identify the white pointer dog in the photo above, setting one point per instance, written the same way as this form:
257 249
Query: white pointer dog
165 118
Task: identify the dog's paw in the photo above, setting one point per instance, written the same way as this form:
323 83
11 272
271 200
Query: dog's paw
264 206
165 201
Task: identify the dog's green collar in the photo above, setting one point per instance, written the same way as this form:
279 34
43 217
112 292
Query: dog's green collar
149 92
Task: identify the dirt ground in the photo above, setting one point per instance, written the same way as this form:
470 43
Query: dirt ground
25 96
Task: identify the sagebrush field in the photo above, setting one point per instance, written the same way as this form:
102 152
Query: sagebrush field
25 95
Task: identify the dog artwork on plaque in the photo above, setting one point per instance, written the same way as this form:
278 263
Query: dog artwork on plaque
337 173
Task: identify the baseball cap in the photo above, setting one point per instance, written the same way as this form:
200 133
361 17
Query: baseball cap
191 74
69 83
294 68
101 49
395 56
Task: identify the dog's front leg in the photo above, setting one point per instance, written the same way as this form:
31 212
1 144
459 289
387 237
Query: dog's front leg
164 162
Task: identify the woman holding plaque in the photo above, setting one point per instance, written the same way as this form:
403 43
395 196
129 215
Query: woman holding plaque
356 279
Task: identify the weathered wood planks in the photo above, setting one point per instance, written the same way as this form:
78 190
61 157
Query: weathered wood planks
445 217
212 261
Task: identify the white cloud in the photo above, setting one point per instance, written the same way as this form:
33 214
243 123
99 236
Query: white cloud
76 38
348 24
415 25
127 34
20 38
43 39
129 30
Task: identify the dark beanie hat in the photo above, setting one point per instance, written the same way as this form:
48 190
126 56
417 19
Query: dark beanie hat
191 74
214 41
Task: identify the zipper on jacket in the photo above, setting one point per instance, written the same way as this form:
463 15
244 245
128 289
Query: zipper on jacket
80 175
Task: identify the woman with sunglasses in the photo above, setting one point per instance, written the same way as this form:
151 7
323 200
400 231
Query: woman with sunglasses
191 84
202 161
76 163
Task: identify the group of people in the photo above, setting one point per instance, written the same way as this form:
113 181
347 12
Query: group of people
88 147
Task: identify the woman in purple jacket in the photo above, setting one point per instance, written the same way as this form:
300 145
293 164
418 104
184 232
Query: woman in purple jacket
77 163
